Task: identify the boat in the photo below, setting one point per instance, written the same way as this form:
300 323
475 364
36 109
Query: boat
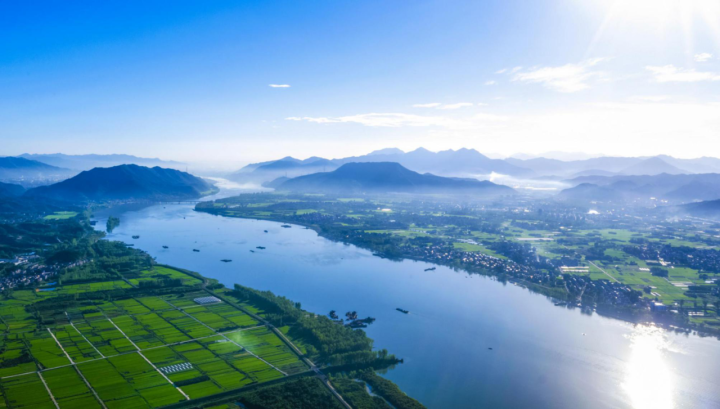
260 248
252 251
430 269
196 250
226 260
166 247
286 226
265 231
136 237
402 311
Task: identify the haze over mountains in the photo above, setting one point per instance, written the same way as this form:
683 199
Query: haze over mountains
471 163
125 182
87 162
664 187
388 177
28 172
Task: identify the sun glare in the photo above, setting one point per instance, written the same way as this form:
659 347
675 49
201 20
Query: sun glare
649 381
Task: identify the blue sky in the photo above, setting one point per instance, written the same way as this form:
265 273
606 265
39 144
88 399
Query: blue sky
191 80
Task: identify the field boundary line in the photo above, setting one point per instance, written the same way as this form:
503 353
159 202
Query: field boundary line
47 388
122 332
90 387
60 345
604 272
163 375
81 334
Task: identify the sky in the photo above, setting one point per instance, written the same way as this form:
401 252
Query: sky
225 83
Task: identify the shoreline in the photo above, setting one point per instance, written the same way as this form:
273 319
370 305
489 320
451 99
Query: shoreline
630 315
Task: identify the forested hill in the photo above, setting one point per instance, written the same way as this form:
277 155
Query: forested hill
126 182
10 190
387 177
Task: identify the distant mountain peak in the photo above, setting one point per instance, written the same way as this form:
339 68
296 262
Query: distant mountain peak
387 151
125 182
389 177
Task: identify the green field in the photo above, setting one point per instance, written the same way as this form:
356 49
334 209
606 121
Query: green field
61 215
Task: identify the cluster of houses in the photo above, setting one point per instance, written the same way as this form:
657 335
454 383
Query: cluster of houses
31 271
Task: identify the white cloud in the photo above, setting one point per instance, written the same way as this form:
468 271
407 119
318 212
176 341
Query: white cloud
650 98
490 82
670 73
501 71
456 106
565 78
391 120
397 120
702 57
279 86
438 105
516 69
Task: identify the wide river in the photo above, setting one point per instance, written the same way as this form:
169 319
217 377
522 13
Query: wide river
542 356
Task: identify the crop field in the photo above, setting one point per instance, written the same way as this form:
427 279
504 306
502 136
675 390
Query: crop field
266 345
68 388
26 392
162 272
121 346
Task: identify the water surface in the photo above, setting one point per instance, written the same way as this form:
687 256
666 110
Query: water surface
542 356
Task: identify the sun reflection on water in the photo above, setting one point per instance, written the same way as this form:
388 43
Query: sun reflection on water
649 381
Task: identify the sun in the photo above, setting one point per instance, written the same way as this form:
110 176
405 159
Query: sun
657 17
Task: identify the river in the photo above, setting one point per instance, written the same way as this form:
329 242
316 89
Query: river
468 341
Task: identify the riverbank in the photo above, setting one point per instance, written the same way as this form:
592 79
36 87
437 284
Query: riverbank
636 314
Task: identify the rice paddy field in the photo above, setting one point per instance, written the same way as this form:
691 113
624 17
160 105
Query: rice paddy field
131 352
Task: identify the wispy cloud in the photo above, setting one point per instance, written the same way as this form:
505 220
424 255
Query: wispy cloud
501 71
650 98
397 120
490 82
702 57
438 105
456 106
565 78
279 86
670 73
390 120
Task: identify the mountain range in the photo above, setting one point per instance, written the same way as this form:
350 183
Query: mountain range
87 162
388 177
125 182
27 172
708 209
471 163
460 163
682 188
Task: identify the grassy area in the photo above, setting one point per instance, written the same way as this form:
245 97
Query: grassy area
61 215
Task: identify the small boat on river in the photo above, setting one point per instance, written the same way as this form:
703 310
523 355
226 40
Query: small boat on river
226 260
135 237
260 248
431 269
402 311
166 247
196 250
